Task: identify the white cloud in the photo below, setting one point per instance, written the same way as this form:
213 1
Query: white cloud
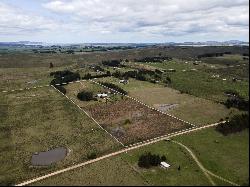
129 19
170 17
16 21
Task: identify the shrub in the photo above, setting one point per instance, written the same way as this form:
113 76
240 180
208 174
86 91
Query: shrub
127 121
85 96
236 124
61 89
92 155
237 102
51 65
167 81
163 158
113 63
147 160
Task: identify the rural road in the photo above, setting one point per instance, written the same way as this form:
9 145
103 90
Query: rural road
197 162
115 154
206 172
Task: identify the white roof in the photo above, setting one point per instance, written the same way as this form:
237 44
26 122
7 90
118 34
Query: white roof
102 95
165 164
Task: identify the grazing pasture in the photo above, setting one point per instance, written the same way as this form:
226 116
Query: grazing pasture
39 120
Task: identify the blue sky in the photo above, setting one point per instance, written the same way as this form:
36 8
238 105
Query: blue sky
79 21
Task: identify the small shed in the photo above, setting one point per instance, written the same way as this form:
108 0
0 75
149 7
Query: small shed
102 95
123 81
171 70
165 165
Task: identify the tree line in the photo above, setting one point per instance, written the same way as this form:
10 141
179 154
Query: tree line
115 87
154 59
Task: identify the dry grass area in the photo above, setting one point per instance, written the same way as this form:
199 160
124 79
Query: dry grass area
40 120
130 121
126 119
189 108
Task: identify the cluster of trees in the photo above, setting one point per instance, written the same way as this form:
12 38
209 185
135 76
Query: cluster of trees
85 96
44 51
154 59
89 76
212 55
236 101
115 87
143 75
98 68
147 160
113 63
64 77
236 124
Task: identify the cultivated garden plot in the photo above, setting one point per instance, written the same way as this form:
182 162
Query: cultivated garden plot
38 120
126 119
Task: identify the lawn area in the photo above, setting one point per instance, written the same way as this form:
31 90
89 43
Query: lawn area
199 81
189 108
109 172
16 78
226 156
39 120
215 151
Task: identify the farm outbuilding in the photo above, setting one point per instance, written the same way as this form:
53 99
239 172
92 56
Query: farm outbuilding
171 70
123 81
102 95
164 165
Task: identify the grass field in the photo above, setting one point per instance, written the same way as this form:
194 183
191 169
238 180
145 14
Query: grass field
39 120
220 158
42 119
126 119
114 171
16 78
190 108
200 82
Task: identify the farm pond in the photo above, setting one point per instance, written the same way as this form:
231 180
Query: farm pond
48 157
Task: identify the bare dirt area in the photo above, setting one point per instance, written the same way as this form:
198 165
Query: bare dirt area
131 122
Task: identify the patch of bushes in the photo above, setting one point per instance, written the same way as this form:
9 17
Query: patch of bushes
61 89
237 102
141 74
92 155
127 121
236 124
115 87
85 96
210 55
89 76
167 81
113 63
154 59
148 160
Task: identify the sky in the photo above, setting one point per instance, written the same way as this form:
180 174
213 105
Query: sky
123 21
